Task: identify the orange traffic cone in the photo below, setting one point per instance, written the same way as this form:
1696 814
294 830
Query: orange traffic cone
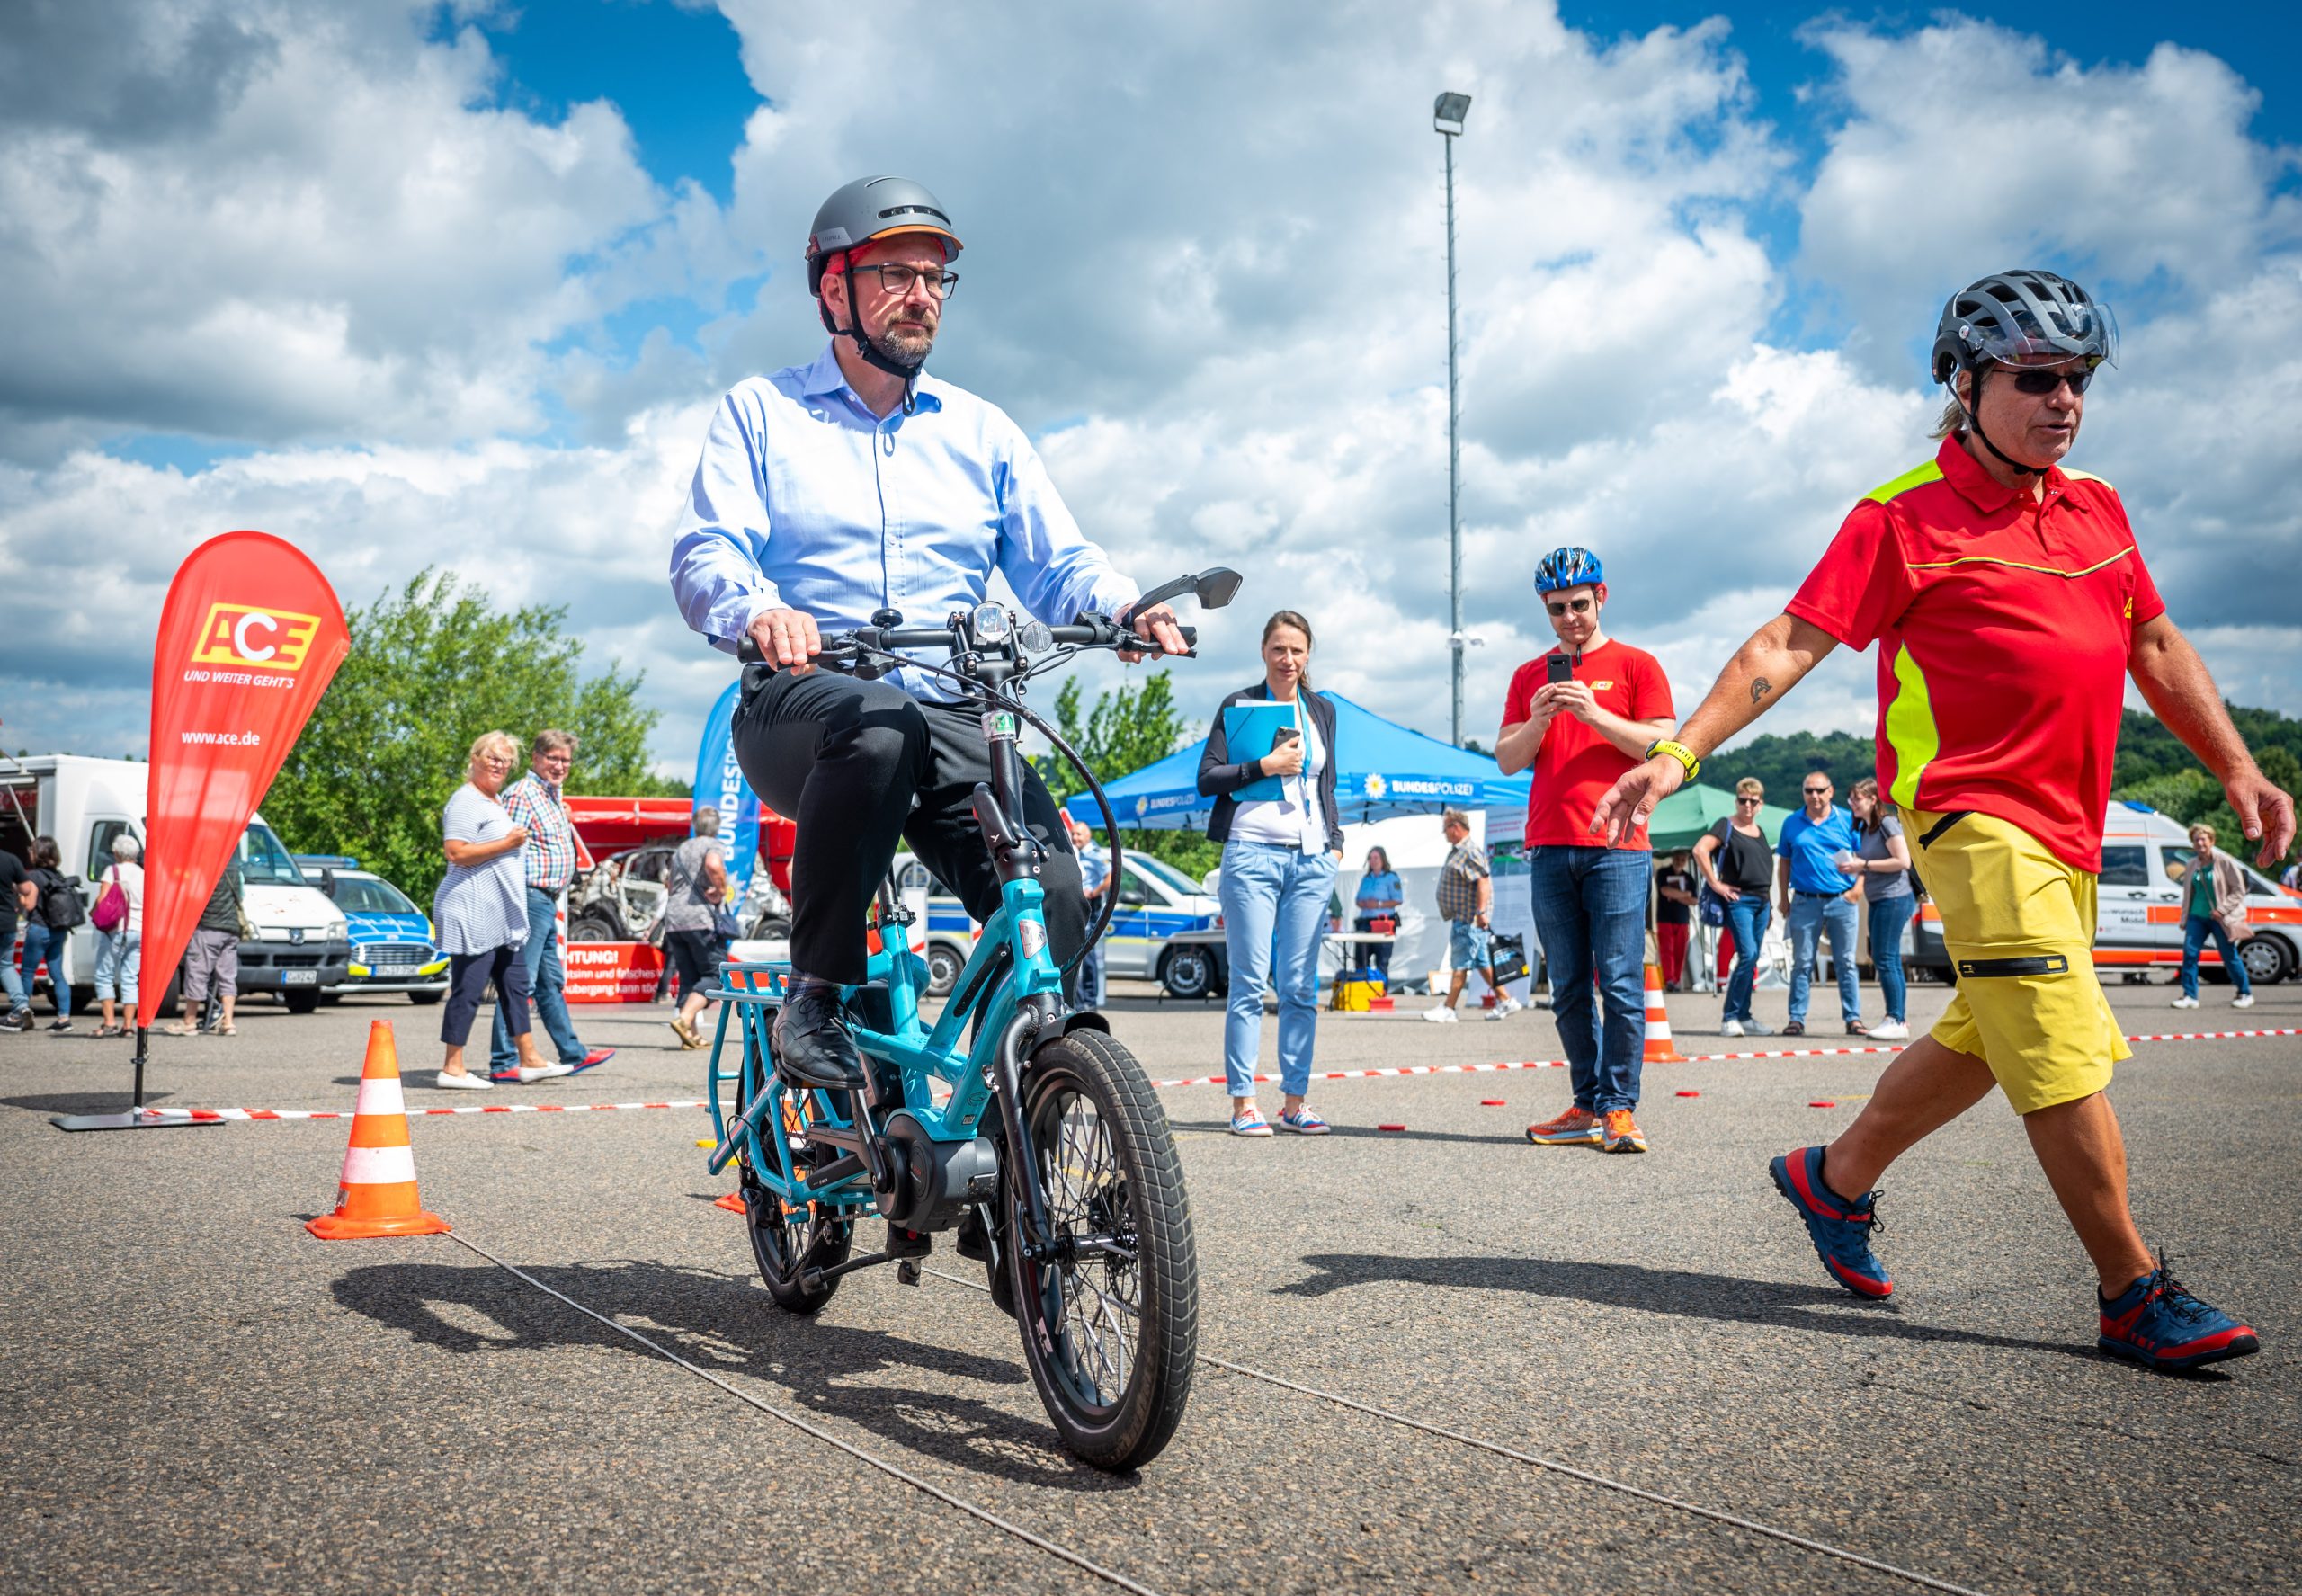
1658 1020
377 1195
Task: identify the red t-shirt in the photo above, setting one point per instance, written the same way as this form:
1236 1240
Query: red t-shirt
2003 627
1574 765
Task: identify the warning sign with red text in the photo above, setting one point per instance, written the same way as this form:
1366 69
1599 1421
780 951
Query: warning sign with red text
611 972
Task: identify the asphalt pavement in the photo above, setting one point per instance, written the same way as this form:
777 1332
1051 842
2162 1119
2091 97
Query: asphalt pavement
202 1396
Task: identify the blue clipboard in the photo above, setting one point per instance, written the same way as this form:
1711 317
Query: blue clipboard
1249 732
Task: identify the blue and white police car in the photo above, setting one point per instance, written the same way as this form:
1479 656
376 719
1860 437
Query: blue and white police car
392 946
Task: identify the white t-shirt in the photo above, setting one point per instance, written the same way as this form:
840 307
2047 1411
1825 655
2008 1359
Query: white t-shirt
131 882
1293 819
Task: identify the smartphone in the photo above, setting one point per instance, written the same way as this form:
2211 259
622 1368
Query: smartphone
1284 736
1559 668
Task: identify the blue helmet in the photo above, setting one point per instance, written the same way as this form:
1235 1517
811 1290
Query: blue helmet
1568 567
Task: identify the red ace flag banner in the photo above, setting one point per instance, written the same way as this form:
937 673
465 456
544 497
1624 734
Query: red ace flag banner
250 638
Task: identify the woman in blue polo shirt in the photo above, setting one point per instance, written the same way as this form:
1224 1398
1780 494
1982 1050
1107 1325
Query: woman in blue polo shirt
1379 897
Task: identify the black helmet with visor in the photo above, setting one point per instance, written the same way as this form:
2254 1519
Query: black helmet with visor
2024 317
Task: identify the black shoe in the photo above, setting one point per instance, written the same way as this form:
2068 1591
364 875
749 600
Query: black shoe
812 1046
973 1237
21 1021
59 1025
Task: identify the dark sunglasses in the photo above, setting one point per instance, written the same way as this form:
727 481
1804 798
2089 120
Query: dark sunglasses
1815 792
1578 605
2039 384
1748 800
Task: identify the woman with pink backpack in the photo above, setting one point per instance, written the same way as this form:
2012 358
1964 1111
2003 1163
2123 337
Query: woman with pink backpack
118 921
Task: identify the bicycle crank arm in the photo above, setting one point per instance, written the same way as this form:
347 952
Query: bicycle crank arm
812 1279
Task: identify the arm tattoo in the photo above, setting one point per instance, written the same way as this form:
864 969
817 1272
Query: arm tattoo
1759 689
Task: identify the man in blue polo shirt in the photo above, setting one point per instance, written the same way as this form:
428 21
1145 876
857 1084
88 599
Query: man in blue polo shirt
1811 892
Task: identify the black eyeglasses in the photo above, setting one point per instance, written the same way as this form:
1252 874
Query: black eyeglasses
1815 792
896 280
2039 384
1746 798
1578 605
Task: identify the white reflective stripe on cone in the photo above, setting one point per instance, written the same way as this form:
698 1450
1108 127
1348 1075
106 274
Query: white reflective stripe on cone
379 1166
380 1097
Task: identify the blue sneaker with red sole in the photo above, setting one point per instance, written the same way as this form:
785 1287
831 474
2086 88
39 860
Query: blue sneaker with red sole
1841 1230
2157 1323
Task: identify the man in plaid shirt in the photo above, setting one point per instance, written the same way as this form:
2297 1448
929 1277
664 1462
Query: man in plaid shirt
1466 904
534 801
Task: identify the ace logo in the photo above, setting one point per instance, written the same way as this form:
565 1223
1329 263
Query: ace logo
243 636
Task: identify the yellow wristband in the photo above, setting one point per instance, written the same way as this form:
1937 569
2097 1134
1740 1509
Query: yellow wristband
1680 752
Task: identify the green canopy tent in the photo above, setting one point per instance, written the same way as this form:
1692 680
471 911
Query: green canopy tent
1682 818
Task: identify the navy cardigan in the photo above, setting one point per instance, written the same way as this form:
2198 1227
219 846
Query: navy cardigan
1218 779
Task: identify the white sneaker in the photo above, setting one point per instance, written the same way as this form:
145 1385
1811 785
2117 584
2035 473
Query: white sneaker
1890 1030
1732 1028
1443 1015
467 1082
545 1073
2183 1003
2246 1002
1508 1006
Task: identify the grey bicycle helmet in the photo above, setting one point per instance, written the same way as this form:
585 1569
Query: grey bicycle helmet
2011 315
2019 315
857 213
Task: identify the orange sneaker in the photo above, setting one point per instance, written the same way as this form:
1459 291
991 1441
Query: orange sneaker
1622 1134
1575 1126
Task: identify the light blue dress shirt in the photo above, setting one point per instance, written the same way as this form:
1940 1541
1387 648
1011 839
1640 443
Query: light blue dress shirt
805 500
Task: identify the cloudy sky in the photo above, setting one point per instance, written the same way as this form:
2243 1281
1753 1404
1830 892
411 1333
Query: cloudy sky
457 285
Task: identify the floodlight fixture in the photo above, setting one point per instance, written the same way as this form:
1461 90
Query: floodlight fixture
1447 113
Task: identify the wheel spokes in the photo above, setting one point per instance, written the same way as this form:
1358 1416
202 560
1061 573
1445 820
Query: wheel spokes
1100 1294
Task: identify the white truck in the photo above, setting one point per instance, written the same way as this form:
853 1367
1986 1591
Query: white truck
301 949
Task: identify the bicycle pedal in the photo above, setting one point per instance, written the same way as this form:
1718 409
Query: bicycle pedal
907 1272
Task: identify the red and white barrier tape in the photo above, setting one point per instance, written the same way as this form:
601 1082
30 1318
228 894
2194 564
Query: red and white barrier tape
491 1108
1348 1075
1465 1069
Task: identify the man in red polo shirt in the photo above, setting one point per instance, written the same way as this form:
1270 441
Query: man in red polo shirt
2010 604
1582 714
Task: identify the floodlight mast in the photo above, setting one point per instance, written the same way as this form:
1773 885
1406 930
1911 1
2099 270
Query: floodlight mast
1447 114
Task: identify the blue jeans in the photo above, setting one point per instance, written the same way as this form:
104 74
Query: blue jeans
1747 918
1274 917
10 982
547 982
119 953
1091 978
42 943
1591 914
1810 918
2196 928
1888 915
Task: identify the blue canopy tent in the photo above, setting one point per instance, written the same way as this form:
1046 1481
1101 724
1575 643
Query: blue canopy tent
1385 771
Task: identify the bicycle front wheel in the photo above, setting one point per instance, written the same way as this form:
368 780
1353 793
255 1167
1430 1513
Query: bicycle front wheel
1110 1319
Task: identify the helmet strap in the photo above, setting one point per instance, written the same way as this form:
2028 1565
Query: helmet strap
869 352
1974 425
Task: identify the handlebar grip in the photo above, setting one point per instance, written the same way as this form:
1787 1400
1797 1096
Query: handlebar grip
747 651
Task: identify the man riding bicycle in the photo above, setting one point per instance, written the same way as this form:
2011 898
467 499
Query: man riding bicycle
831 491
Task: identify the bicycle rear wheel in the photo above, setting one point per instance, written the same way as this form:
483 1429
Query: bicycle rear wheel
785 1240
1111 1321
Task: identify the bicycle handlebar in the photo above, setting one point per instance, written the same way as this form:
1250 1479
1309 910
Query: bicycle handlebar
1101 631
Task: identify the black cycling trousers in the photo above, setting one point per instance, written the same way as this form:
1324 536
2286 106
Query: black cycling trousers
860 765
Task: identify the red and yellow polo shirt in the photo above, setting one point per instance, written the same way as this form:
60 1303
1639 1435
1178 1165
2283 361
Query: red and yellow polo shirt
2003 627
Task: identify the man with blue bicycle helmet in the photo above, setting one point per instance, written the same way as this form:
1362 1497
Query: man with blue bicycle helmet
1581 716
835 489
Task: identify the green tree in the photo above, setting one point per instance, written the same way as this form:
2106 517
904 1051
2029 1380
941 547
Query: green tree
1782 762
432 667
1137 726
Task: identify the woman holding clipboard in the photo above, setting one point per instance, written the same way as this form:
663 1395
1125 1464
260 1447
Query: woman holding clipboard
1269 764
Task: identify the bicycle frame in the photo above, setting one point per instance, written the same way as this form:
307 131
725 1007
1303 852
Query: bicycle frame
1009 980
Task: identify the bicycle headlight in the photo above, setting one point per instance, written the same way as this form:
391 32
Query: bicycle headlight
990 623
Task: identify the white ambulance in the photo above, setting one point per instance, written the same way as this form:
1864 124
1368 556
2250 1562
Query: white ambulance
301 949
2140 909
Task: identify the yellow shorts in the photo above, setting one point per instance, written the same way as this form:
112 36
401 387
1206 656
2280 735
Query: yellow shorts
2018 925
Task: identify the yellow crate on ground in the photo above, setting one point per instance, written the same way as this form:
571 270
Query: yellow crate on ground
1353 996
